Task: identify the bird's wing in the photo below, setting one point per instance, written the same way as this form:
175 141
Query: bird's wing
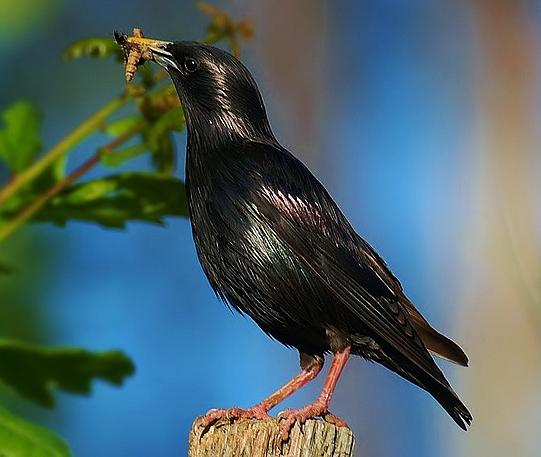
301 212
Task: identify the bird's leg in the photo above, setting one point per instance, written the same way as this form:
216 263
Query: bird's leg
308 373
321 406
260 411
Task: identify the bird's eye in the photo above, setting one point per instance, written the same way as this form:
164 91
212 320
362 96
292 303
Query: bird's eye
190 65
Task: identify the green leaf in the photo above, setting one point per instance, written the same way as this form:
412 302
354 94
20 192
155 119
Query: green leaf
94 47
121 126
122 155
116 199
33 371
50 176
20 139
163 153
159 141
20 438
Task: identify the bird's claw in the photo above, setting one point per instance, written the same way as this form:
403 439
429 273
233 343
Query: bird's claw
290 416
335 420
231 414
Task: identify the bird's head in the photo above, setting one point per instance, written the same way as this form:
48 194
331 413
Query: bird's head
219 96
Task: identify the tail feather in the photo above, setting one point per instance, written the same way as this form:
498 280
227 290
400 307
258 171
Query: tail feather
449 400
444 394
438 387
434 341
432 380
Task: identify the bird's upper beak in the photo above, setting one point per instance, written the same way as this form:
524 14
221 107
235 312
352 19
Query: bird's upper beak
157 48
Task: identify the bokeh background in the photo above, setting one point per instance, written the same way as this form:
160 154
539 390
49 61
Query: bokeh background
420 117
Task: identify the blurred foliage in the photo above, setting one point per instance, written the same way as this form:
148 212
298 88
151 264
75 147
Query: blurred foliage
6 269
93 47
22 438
21 18
116 199
223 27
42 189
20 140
32 371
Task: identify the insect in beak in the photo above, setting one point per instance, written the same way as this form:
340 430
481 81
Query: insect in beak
139 49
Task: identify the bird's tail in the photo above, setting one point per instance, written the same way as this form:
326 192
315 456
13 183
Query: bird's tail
434 382
434 341
449 400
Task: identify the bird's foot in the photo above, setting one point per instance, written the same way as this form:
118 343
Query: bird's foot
316 409
231 414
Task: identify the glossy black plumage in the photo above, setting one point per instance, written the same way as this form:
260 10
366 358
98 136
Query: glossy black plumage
273 243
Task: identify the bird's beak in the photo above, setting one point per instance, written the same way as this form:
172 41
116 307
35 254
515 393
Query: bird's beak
158 50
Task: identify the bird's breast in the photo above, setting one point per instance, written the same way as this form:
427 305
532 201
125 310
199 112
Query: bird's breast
249 266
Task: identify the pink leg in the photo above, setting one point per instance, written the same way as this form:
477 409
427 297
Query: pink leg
260 411
321 406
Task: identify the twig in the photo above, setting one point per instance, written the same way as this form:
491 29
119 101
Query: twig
67 143
42 199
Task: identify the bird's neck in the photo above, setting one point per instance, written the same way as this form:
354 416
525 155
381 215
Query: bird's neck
218 130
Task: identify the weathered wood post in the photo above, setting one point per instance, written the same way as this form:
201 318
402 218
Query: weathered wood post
261 438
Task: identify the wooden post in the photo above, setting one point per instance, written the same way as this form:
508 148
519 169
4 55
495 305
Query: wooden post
260 438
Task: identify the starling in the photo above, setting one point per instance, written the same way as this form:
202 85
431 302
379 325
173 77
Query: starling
275 246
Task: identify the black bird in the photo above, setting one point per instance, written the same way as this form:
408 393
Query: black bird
276 247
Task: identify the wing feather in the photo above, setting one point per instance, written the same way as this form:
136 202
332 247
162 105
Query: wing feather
294 204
